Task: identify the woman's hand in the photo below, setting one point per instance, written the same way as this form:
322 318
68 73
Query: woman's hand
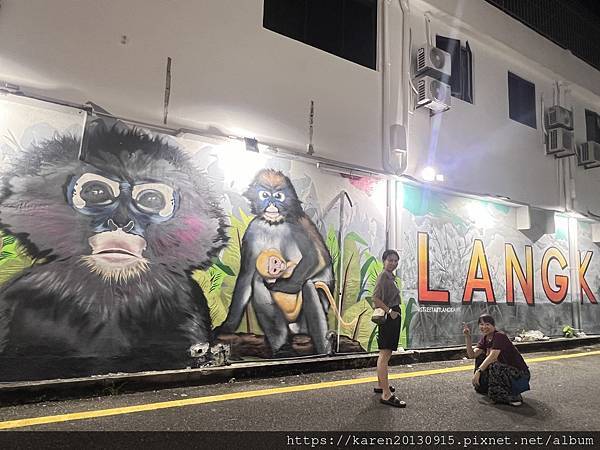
466 329
393 314
476 377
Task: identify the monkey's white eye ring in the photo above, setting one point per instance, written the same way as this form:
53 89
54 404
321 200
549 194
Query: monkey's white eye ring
263 195
154 198
92 189
279 196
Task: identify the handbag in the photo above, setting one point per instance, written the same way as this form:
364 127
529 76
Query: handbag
379 316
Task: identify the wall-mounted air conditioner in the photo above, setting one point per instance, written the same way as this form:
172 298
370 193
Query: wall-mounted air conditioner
559 117
560 143
588 154
433 61
432 94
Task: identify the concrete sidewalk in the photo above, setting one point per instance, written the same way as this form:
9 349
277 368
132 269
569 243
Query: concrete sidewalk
36 391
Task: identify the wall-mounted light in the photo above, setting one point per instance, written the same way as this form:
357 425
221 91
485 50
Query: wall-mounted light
8 88
428 173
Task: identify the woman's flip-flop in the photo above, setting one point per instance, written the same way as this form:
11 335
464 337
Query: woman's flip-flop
380 391
393 401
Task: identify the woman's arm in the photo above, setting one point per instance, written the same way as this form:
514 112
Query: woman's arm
490 359
379 304
472 352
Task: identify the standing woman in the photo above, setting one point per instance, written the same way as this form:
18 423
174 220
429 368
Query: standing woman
387 296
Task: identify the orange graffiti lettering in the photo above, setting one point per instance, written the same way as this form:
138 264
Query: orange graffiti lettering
475 283
585 287
512 265
561 281
427 295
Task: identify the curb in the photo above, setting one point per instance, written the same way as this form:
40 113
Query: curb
113 384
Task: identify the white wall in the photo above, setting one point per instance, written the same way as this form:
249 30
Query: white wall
231 73
477 146
227 71
586 181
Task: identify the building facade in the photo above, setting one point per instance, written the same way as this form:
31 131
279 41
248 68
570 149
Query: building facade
181 175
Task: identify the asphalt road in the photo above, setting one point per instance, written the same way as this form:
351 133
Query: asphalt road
564 396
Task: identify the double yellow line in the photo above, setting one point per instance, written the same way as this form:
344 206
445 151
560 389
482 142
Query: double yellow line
19 423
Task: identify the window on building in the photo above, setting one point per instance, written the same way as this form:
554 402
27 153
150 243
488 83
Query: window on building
345 28
521 100
461 80
592 126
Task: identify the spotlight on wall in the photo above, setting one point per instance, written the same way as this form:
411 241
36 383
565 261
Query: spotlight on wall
251 145
428 173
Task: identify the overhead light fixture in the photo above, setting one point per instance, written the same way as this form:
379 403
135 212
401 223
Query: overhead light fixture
8 88
251 145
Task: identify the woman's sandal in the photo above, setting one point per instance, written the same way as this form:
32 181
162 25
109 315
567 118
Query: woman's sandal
380 391
393 401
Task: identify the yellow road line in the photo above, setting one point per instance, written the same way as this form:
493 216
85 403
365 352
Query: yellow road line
248 394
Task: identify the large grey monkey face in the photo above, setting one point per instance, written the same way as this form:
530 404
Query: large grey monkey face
120 213
133 202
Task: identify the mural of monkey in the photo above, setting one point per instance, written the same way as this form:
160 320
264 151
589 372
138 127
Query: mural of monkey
271 266
281 224
115 236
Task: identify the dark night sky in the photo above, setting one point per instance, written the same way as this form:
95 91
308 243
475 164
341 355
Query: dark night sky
572 24
590 6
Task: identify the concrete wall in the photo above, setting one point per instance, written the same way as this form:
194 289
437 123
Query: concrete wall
230 73
477 147
227 70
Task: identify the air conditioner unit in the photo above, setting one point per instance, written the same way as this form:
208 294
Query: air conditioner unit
432 94
588 154
433 61
560 143
559 117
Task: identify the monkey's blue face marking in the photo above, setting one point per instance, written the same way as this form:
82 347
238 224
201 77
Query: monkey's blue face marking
277 198
111 202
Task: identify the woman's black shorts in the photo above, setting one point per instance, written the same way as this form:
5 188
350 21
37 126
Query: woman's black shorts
389 332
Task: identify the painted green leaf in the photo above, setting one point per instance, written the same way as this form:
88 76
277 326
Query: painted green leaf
373 273
372 342
363 328
11 267
353 236
351 273
333 246
226 269
210 282
6 239
364 270
231 256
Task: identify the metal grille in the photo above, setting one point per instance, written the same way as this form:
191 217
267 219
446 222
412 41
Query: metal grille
421 89
571 24
553 139
420 59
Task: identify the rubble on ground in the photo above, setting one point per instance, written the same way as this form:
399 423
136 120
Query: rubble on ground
531 336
